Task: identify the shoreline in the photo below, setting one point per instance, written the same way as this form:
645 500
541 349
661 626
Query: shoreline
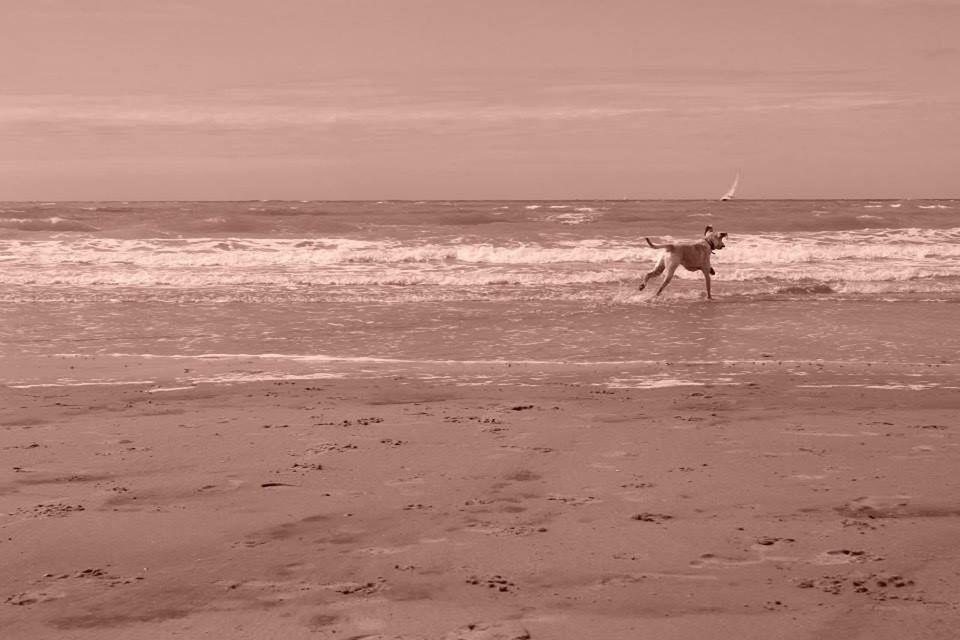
154 372
404 508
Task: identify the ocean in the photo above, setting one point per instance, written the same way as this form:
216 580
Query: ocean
484 292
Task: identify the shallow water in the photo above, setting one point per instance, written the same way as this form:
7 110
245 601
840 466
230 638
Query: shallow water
416 284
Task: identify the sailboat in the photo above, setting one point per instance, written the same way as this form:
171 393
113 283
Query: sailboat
732 190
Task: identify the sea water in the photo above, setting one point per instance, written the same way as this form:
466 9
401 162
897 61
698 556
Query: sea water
131 292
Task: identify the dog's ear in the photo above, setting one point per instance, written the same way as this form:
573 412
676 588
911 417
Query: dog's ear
708 229
723 235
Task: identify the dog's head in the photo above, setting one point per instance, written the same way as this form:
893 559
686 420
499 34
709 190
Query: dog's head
714 239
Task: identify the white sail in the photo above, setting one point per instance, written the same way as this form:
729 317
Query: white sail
732 190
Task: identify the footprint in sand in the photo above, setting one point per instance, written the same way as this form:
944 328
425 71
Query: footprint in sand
489 631
303 467
496 582
882 507
877 586
495 530
417 507
574 501
712 559
384 551
637 485
763 550
96 574
58 510
331 447
654 518
844 556
769 541
357 588
33 597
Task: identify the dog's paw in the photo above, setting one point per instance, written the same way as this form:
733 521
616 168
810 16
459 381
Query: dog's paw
712 272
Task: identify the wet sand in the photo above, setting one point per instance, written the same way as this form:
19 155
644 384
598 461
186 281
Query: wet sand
776 507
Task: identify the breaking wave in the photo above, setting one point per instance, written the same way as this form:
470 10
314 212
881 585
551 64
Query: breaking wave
811 263
45 224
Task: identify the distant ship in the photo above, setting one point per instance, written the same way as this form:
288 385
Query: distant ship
732 190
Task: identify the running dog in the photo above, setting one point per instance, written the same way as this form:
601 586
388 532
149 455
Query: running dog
692 256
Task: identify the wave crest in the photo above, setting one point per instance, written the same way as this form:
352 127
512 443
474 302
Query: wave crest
45 224
791 264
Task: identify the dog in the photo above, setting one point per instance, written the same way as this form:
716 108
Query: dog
692 256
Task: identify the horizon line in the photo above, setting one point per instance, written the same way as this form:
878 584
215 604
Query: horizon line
43 201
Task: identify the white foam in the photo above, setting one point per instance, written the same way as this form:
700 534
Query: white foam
651 383
54 223
896 385
842 260
238 377
571 218
499 362
166 389
79 383
888 386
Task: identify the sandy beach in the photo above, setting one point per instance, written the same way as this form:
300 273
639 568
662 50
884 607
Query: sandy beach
406 508
349 320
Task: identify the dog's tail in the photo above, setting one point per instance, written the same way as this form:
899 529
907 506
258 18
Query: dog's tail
659 246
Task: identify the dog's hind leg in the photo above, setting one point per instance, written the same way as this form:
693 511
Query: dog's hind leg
667 278
657 270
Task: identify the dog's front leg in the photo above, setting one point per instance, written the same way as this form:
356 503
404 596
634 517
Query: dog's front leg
706 278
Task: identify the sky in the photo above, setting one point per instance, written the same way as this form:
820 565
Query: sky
471 99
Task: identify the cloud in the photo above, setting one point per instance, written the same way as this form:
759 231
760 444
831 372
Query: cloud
164 112
369 105
254 118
